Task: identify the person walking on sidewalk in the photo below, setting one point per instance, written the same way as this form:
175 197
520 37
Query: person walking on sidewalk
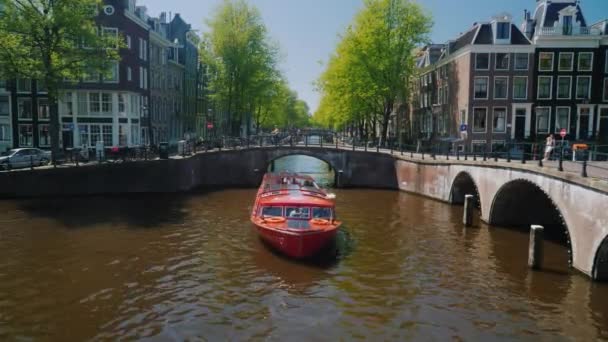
549 146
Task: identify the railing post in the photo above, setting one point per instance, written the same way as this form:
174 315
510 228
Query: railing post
495 156
474 156
485 152
321 140
412 153
469 204
535 248
540 158
306 140
447 154
401 147
336 137
584 170
457 154
354 144
508 154
523 155
422 154
466 154
560 166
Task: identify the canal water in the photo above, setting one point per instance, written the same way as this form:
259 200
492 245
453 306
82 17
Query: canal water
175 267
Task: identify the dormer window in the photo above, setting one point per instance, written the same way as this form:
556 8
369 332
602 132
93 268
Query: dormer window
567 25
503 30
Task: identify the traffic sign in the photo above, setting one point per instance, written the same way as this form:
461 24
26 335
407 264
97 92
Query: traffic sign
562 133
209 125
463 127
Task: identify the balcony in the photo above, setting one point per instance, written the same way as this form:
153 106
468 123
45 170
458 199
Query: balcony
569 31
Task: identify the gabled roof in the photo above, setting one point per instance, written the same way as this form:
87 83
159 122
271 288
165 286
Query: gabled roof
485 35
464 39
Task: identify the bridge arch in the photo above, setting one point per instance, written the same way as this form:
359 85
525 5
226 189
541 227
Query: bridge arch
464 184
521 203
600 264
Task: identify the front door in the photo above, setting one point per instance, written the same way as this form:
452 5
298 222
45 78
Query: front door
520 124
603 126
584 122
68 139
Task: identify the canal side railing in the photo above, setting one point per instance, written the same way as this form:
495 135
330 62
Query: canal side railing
592 162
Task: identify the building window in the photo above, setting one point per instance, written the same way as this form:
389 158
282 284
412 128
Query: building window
544 87
605 64
83 131
82 104
499 124
502 61
94 103
122 105
41 87
112 75
122 135
562 118
129 42
4 107
110 32
482 61
106 103
135 138
95 134
501 86
107 134
129 74
43 109
24 85
141 77
545 61
564 87
5 132
604 92
583 87
2 84
585 61
44 137
481 87
108 9
521 61
566 61
24 108
67 104
480 116
478 146
520 88
26 135
91 77
543 115
503 30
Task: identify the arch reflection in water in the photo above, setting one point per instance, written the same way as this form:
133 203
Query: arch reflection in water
321 171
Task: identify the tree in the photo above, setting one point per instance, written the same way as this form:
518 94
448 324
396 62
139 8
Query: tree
53 41
246 82
372 65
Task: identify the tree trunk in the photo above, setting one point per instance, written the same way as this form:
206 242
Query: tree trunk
388 108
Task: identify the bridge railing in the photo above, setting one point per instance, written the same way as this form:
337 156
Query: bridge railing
592 162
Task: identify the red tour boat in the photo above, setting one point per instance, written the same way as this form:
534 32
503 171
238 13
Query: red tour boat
294 215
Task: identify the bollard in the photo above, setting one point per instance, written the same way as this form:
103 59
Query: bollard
457 154
412 154
535 249
495 156
447 155
466 155
560 166
422 155
378 147
508 155
306 140
584 170
523 155
540 159
354 145
365 145
469 205
401 149
474 156
485 155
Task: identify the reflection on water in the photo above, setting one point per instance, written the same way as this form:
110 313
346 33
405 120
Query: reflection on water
190 267
320 171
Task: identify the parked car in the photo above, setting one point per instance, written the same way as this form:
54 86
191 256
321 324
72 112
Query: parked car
24 157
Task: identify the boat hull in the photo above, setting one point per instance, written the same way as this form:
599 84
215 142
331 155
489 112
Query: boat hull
297 245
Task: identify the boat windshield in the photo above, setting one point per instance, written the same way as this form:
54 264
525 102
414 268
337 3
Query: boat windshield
297 212
323 213
272 211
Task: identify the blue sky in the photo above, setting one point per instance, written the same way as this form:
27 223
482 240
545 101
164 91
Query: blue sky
307 30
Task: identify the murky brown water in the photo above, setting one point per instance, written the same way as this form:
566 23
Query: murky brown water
190 267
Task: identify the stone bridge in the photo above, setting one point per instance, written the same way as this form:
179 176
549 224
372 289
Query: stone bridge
574 210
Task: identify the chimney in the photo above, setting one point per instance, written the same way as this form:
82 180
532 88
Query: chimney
526 15
163 17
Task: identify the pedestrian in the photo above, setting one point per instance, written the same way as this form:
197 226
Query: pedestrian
549 146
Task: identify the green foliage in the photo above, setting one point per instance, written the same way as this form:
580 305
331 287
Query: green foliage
370 69
51 41
246 82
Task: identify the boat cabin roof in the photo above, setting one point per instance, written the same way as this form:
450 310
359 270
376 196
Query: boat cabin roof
286 188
